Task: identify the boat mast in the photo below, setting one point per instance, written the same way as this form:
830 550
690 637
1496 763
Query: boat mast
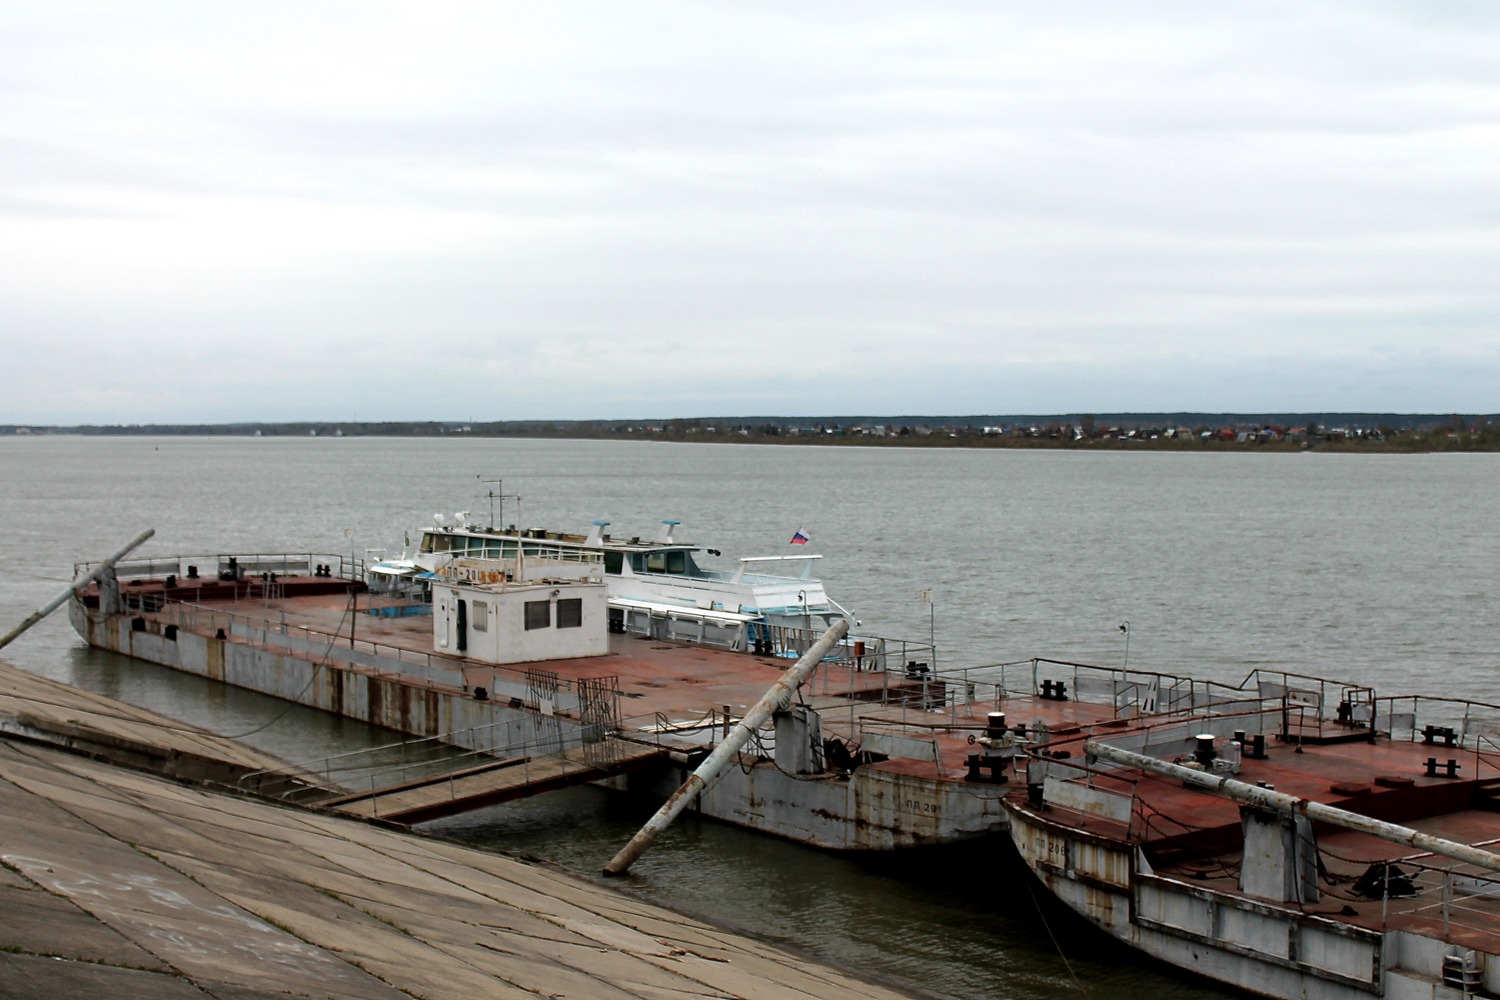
497 492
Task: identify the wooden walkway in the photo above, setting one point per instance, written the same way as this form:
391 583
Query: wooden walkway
495 782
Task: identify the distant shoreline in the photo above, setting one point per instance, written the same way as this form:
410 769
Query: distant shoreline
1402 434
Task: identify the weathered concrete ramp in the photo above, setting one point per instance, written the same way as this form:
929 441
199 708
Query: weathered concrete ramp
48 711
116 883
495 782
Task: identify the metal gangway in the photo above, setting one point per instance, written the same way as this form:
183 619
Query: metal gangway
414 781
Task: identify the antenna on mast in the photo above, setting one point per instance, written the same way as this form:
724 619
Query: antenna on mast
497 492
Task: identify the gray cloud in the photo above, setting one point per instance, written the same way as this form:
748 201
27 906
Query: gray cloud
589 210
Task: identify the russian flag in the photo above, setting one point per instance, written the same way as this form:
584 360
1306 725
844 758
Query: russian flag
798 539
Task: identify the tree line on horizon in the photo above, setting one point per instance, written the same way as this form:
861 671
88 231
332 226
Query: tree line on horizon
1382 431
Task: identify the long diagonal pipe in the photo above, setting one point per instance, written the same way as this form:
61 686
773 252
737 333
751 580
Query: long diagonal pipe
74 587
1280 802
780 693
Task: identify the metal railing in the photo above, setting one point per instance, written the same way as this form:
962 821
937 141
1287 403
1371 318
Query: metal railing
1129 693
1418 888
209 566
1419 718
1459 896
1133 693
382 659
417 759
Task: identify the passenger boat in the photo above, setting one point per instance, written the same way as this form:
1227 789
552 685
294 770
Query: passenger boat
1295 837
641 575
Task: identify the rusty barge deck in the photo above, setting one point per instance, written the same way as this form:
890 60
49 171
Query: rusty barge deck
1282 851
1247 881
873 756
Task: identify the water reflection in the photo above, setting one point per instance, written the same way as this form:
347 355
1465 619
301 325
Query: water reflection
958 921
1377 568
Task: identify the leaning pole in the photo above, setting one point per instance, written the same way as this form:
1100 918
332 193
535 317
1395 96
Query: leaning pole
74 587
1290 805
779 694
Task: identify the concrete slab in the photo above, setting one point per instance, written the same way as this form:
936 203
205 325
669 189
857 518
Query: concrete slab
39 923
24 977
46 709
10 879
242 899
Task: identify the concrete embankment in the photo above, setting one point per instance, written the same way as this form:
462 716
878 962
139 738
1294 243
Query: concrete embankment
117 882
38 709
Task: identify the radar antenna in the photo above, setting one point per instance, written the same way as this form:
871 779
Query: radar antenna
497 492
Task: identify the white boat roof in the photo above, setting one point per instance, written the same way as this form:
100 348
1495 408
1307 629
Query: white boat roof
684 611
634 544
787 558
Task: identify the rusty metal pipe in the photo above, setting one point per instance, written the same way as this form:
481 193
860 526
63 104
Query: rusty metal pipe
779 694
74 587
1265 798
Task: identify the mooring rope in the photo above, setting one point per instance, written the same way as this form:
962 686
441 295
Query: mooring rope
296 702
1037 905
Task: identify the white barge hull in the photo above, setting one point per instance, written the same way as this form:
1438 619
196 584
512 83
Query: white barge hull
1262 948
876 808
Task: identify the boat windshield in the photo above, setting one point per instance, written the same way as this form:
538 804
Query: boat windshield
468 545
478 547
671 562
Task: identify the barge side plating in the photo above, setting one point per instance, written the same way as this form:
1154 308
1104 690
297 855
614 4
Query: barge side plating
1262 891
1281 852
288 626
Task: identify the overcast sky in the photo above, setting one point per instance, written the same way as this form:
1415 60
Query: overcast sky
362 211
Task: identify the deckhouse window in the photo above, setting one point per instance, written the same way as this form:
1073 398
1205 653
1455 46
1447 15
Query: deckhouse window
538 615
570 613
614 562
673 562
479 616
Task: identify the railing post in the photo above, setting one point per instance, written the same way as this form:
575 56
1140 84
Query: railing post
1447 901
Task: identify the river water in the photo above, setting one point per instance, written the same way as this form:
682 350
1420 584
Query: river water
1376 569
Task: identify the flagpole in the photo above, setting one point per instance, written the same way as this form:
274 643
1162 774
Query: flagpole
925 596
932 633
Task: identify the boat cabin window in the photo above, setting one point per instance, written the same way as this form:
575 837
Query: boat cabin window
538 615
675 563
570 613
470 546
479 616
614 562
